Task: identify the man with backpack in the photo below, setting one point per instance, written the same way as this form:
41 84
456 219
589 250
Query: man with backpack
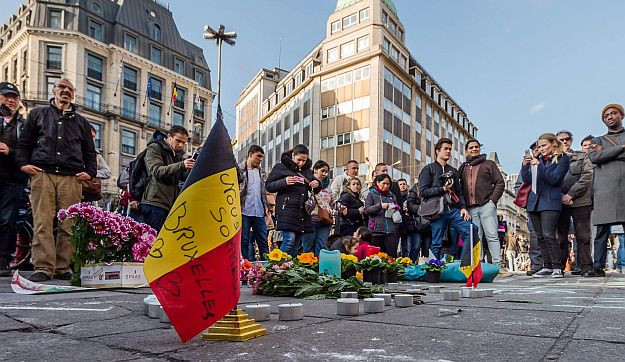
165 169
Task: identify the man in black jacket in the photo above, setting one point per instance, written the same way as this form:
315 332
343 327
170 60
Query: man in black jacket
455 213
12 181
56 149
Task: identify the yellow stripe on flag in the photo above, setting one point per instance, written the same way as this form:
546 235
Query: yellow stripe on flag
477 256
209 208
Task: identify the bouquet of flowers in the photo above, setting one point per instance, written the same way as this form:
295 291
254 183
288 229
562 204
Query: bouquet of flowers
308 260
435 265
102 237
348 262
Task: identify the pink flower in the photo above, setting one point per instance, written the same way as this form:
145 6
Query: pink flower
91 246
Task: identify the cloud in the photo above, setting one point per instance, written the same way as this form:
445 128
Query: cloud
537 107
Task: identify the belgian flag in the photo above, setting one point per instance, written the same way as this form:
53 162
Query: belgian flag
193 267
470 264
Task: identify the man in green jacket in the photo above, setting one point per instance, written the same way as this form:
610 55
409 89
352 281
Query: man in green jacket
166 168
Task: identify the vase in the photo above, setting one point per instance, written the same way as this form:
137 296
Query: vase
351 272
391 276
433 276
371 276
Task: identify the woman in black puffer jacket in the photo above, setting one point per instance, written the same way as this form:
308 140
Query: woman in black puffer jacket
291 180
352 208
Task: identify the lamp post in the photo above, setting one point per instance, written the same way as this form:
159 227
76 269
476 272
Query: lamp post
220 36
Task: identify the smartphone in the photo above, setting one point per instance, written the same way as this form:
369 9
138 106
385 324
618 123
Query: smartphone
528 153
195 155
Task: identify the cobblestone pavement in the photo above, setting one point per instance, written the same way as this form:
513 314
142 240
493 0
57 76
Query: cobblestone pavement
570 319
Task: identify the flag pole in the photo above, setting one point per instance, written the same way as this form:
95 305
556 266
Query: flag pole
471 242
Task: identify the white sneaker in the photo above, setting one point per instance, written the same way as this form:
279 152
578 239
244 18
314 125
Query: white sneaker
543 273
557 273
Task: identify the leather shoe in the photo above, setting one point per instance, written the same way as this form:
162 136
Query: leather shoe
64 276
599 272
589 274
529 273
39 277
576 272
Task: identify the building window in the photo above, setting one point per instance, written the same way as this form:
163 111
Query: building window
129 142
179 66
327 142
155 54
95 30
94 67
364 14
157 88
24 60
384 17
394 54
350 21
96 8
154 115
130 43
198 109
392 26
180 98
363 43
177 119
347 49
328 84
336 27
333 55
327 112
309 69
199 77
156 32
344 79
53 58
387 45
93 96
129 107
130 78
50 82
55 19
98 135
403 61
343 139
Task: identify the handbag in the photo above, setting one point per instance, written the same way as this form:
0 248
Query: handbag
92 190
432 208
323 215
421 223
522 195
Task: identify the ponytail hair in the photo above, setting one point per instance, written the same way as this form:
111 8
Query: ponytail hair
558 149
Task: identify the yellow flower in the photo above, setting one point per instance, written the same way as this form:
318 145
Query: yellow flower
349 257
307 258
359 275
276 255
405 261
382 255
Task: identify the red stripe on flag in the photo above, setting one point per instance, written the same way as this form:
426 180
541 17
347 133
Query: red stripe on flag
476 276
198 293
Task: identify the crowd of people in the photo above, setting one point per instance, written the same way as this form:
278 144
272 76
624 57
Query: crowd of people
298 208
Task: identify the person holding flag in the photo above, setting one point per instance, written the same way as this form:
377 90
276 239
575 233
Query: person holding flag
193 266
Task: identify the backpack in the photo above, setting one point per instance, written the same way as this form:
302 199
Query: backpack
138 177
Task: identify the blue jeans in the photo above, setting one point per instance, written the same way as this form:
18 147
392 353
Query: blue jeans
290 242
259 234
536 259
485 218
620 253
414 246
154 216
450 218
601 245
10 201
317 240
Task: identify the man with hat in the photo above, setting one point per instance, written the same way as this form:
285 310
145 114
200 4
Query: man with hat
56 150
12 181
608 155
482 186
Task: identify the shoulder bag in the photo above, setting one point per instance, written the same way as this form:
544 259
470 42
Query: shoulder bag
432 208
323 215
521 197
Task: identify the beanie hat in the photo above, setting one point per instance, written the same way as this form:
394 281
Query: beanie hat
613 105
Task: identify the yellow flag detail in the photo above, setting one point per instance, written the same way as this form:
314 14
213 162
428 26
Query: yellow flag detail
209 207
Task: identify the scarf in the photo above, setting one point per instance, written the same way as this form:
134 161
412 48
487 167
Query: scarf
385 193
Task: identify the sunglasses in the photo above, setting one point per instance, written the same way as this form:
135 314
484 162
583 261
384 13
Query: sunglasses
565 139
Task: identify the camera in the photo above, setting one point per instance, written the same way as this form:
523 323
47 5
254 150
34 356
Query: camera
445 177
4 111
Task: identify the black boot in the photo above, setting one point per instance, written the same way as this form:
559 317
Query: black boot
4 267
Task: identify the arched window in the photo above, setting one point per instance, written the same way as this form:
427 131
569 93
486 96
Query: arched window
95 7
156 32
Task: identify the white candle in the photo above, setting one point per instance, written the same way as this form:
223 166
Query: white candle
386 297
374 305
146 303
163 316
466 292
154 309
258 312
393 285
349 295
404 300
347 306
434 289
291 312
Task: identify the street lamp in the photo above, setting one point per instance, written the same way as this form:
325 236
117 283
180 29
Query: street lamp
220 36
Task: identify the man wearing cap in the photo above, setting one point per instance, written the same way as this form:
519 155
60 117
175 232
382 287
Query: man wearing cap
608 155
12 181
576 204
483 185
56 150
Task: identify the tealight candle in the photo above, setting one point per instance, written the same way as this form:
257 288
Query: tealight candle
146 303
291 312
404 300
451 295
154 309
258 312
163 316
349 295
386 297
374 305
347 306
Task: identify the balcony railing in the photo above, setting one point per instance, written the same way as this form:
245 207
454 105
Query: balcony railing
53 64
94 74
128 84
155 122
130 114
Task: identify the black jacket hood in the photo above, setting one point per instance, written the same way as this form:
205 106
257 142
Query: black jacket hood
288 162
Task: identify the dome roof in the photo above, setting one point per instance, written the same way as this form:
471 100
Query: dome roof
342 4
